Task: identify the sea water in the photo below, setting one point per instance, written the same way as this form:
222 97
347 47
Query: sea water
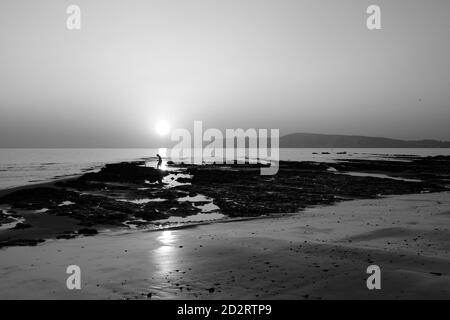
20 167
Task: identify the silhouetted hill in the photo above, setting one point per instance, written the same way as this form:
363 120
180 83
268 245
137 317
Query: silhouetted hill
311 140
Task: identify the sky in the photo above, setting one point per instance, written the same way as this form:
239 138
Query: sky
298 66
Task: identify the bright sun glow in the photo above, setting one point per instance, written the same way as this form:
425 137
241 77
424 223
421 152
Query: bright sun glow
162 128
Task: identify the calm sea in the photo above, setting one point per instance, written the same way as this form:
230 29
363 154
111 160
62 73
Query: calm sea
20 167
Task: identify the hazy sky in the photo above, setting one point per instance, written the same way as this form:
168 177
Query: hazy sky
301 66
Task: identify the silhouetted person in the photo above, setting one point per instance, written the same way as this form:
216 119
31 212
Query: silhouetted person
159 161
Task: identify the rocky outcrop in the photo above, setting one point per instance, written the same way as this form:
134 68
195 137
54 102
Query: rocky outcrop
134 172
108 197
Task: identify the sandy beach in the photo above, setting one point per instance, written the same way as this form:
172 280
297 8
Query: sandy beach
320 253
224 150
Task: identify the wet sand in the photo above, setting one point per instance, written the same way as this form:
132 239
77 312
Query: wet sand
320 253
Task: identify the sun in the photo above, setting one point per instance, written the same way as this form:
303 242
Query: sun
162 128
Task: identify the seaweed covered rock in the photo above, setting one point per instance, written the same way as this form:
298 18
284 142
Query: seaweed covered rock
133 172
165 209
87 232
21 242
5 218
20 226
38 198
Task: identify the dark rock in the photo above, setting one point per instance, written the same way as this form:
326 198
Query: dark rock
66 236
5 218
295 186
21 226
87 232
38 198
184 180
21 242
126 172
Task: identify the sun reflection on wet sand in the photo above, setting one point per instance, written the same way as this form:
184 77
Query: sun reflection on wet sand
164 255
167 237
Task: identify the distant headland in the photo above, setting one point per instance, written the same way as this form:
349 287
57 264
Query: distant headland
312 140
